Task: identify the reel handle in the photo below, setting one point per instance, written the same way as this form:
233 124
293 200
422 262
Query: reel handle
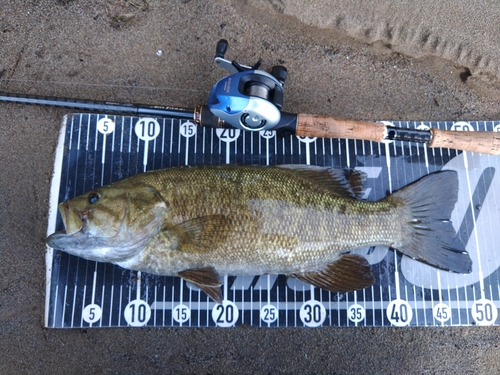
221 49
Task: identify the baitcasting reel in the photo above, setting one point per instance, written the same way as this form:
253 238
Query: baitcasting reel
249 99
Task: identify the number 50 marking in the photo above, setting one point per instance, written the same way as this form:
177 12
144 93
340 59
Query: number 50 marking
484 312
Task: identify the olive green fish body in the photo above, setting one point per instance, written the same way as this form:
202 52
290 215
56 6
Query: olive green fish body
261 220
201 222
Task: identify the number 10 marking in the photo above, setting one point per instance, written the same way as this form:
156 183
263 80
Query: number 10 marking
137 313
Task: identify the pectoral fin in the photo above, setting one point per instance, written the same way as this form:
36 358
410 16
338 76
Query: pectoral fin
203 233
350 272
206 279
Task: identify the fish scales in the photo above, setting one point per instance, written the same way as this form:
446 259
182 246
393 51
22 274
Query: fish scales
202 222
279 221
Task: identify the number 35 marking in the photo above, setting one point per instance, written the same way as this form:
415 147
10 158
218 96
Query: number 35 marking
356 313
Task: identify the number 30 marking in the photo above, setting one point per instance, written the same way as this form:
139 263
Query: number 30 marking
312 313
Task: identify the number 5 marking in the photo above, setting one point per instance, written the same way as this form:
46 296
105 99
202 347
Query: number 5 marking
92 313
105 126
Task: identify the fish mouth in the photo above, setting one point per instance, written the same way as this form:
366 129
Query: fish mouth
72 219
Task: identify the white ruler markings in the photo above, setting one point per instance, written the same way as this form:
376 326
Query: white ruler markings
308 154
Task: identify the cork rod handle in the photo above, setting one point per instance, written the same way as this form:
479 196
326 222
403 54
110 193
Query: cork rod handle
484 142
332 127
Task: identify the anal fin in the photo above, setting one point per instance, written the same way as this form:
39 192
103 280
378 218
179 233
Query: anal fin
348 273
207 279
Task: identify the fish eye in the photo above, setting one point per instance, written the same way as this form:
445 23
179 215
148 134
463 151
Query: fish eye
93 197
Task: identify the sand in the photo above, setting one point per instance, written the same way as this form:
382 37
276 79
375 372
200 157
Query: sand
411 60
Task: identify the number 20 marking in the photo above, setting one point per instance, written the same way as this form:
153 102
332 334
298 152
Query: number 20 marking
225 314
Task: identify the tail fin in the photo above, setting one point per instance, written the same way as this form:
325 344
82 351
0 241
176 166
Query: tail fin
433 238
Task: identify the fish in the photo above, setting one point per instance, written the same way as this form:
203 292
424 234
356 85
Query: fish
202 222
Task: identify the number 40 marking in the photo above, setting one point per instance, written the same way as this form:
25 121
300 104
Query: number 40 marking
399 313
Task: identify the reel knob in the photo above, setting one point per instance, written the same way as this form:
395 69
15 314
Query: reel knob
279 72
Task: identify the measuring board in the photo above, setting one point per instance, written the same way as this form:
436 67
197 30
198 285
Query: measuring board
95 150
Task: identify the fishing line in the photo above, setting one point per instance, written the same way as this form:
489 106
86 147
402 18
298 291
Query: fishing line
69 83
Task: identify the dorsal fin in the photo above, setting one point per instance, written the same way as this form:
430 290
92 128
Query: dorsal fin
348 273
344 182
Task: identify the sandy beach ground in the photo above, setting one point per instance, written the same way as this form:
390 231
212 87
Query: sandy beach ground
412 60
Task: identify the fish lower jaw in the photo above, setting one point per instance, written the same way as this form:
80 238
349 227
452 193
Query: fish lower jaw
138 263
130 264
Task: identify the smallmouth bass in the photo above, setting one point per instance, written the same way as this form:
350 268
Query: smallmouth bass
201 222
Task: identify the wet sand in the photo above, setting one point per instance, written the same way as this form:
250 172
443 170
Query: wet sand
395 60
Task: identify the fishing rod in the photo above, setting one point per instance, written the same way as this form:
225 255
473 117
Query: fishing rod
251 99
